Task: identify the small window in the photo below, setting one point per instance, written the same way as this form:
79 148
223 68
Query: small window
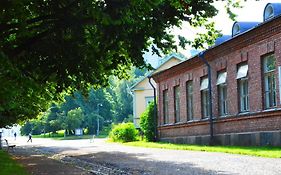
222 93
166 106
235 29
189 100
205 98
204 84
221 78
243 94
177 103
242 71
269 78
268 12
148 100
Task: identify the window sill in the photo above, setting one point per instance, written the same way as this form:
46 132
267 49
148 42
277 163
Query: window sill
244 113
205 119
271 109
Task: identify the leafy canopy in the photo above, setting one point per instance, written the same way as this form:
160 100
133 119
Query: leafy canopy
52 46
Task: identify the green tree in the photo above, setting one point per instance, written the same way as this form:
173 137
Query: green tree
26 128
53 46
73 119
51 119
147 122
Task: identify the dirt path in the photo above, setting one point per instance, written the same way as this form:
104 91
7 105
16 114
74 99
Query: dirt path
38 164
109 158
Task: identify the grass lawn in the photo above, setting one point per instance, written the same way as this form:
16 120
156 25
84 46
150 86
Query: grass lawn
273 152
8 166
72 137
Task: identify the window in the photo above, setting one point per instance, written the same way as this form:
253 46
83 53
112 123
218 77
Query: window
148 100
177 103
166 106
205 98
189 98
243 95
222 93
235 29
268 12
269 82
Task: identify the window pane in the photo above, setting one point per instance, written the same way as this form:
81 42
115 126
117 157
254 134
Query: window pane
222 99
242 71
204 84
269 82
177 103
189 97
165 106
221 78
243 95
269 63
205 104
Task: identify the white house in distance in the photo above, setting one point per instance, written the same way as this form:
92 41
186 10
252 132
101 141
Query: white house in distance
142 90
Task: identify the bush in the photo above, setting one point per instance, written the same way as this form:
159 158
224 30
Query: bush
147 123
124 132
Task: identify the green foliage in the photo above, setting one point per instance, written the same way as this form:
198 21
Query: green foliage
26 128
73 119
147 122
9 166
48 47
124 132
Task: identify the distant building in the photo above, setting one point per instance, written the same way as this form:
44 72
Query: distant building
9 132
142 90
246 89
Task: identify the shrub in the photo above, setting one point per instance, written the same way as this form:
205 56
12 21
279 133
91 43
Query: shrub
124 132
147 122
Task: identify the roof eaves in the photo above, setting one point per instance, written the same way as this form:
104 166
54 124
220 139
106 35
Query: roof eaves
214 46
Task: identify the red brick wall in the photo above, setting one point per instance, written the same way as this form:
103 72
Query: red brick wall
261 121
250 47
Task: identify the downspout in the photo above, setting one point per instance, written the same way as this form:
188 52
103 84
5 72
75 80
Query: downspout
155 109
201 56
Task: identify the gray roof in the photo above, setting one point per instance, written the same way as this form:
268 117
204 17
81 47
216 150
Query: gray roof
165 60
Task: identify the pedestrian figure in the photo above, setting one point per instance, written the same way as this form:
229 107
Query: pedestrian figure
29 138
92 139
15 134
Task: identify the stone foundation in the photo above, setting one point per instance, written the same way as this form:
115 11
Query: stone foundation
268 138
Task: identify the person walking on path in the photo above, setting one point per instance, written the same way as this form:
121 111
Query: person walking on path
15 135
29 138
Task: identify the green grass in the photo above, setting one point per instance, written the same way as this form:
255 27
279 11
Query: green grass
72 137
59 135
78 137
273 152
8 166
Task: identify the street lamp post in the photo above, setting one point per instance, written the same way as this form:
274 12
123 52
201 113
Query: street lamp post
98 120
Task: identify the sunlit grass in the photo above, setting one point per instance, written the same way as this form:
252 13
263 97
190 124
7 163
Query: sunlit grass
71 137
273 152
8 166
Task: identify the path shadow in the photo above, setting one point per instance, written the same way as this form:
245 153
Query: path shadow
140 164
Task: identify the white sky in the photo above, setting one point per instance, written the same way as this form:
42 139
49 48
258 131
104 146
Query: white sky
252 11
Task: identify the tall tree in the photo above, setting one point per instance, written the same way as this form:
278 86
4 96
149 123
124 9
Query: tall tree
56 45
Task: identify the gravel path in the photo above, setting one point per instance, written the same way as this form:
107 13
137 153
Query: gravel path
109 158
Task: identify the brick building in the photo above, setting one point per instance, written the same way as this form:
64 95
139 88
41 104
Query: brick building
246 86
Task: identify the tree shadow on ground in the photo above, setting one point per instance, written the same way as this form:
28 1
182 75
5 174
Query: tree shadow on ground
140 164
